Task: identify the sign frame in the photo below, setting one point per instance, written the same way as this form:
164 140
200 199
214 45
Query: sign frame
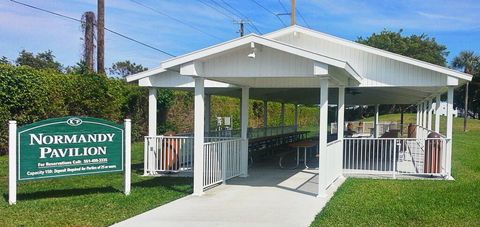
15 159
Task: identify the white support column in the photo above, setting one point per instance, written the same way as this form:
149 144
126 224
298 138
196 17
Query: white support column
295 118
424 114
282 117
375 121
341 120
323 132
430 112
418 115
265 117
437 115
12 162
244 128
207 113
152 111
198 140
150 150
449 133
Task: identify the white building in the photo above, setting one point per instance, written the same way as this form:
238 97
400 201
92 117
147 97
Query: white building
301 66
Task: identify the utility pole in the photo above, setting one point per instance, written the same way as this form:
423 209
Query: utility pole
292 14
89 46
242 27
101 37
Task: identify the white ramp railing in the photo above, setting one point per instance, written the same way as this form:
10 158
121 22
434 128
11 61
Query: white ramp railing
221 161
168 154
426 156
334 161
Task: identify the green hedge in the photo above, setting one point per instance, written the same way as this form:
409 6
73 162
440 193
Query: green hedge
28 95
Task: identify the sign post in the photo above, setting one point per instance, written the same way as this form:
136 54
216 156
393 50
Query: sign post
69 146
128 156
12 164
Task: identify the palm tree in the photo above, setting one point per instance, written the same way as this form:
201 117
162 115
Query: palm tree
467 60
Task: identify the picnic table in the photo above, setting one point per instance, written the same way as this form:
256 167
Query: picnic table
276 140
305 144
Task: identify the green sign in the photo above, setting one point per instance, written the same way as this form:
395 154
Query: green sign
69 146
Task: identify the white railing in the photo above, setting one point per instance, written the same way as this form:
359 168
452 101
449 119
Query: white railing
167 154
334 161
221 161
366 128
251 132
426 156
422 132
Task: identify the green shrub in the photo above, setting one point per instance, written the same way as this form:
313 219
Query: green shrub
28 95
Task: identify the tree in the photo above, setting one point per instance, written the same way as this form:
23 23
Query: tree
420 47
468 61
43 60
79 68
125 68
88 23
4 60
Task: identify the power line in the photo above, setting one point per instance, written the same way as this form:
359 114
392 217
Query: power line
229 11
175 19
303 18
216 9
235 20
243 16
107 29
269 11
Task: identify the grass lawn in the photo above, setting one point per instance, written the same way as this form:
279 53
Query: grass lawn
92 200
368 202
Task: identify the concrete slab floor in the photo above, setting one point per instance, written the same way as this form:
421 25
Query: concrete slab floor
269 196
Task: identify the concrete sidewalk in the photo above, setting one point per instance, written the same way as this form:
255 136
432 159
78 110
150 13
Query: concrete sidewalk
268 197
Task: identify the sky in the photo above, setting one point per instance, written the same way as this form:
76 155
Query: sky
454 23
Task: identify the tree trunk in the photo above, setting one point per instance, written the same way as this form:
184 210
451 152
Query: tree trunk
101 37
88 39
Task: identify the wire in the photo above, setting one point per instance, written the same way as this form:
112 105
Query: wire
221 12
303 18
175 19
269 11
107 29
243 16
214 8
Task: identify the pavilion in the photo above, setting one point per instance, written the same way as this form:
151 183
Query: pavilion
302 66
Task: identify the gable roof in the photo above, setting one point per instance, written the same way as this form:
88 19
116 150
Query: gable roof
254 38
369 49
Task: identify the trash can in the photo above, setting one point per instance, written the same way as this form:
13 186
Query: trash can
433 153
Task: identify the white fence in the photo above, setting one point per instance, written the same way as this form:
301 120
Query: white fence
425 156
334 161
174 154
221 161
170 154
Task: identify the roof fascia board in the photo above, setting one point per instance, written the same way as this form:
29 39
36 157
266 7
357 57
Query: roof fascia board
144 74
